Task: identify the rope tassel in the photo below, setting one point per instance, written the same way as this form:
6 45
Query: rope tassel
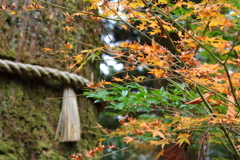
69 122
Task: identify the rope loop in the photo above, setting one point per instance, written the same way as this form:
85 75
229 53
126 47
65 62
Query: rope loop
43 72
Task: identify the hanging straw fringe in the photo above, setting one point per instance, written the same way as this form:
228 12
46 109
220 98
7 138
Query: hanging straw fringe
69 122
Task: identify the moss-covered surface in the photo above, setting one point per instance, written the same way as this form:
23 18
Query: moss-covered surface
28 120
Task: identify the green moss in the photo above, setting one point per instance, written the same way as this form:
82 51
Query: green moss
34 119
10 54
8 157
5 147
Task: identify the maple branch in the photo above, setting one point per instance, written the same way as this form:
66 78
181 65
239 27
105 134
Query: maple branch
233 45
192 81
190 35
222 128
166 33
198 84
129 24
202 35
177 85
204 100
76 10
230 142
171 42
231 86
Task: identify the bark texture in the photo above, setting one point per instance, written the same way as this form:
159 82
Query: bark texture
28 118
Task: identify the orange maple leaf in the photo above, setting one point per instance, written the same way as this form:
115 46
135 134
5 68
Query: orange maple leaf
199 99
124 27
157 133
128 139
47 50
231 108
68 46
117 79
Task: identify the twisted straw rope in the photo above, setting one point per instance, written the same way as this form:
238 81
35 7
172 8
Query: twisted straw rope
43 72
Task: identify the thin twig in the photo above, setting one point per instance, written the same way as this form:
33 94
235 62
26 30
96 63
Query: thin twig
75 10
233 45
231 86
190 35
129 24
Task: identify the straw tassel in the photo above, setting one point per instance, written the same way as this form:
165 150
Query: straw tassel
69 122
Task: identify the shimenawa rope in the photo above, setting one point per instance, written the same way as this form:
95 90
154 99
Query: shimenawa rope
38 71
69 127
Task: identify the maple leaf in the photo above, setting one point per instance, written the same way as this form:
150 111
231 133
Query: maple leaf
231 108
183 138
128 139
199 99
14 12
139 78
103 82
117 79
123 119
98 126
127 77
237 49
158 73
101 139
157 133
47 50
159 154
68 46
67 28
124 27
161 142
79 14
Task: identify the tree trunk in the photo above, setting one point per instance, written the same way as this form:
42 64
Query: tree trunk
28 111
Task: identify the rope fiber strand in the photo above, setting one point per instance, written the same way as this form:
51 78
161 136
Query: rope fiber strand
43 72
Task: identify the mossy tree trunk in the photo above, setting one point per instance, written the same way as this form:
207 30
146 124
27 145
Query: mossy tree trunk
28 115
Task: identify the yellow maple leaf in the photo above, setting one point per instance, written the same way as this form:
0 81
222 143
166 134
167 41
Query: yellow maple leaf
67 28
124 27
101 139
237 48
14 12
159 154
139 78
161 142
183 138
117 79
157 133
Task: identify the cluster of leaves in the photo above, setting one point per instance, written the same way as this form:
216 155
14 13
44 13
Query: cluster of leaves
135 98
212 92
180 124
90 154
201 105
